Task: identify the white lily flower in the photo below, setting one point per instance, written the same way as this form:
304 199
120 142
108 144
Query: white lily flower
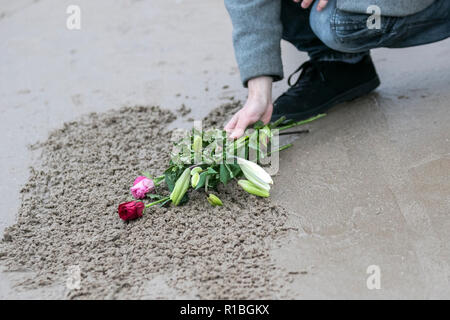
255 174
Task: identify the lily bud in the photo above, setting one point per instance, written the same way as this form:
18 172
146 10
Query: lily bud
253 189
196 170
214 200
181 187
195 179
257 175
198 143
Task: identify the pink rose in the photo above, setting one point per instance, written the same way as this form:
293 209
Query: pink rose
141 186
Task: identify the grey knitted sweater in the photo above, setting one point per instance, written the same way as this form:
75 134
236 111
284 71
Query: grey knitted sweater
257 30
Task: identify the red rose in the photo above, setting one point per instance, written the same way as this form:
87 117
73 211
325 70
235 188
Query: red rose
131 210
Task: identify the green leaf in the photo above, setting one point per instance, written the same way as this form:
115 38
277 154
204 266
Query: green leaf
201 182
157 180
155 196
211 171
234 169
224 174
146 174
258 124
184 199
213 181
171 177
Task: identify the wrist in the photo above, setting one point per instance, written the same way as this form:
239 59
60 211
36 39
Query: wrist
260 89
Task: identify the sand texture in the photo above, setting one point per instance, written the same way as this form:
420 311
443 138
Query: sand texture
68 217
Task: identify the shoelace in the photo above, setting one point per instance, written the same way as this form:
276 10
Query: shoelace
309 68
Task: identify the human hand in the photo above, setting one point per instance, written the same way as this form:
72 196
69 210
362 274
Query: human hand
258 107
306 3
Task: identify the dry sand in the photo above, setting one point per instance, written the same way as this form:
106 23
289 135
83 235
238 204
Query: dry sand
68 216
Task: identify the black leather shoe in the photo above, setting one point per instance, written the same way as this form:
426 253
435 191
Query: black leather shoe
323 84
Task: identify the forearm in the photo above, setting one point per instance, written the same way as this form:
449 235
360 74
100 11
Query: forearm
256 37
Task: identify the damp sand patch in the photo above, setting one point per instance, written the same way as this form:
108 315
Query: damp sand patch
68 217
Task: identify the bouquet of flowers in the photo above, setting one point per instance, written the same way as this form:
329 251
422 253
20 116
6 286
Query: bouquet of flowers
204 159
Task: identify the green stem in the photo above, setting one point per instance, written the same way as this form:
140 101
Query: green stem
158 180
277 123
298 123
156 202
293 132
206 183
281 148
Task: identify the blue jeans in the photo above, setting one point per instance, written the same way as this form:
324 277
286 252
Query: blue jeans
336 35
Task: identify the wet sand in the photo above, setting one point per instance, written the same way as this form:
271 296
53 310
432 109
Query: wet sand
369 185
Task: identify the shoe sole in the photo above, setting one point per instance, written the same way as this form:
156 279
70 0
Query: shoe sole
349 95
